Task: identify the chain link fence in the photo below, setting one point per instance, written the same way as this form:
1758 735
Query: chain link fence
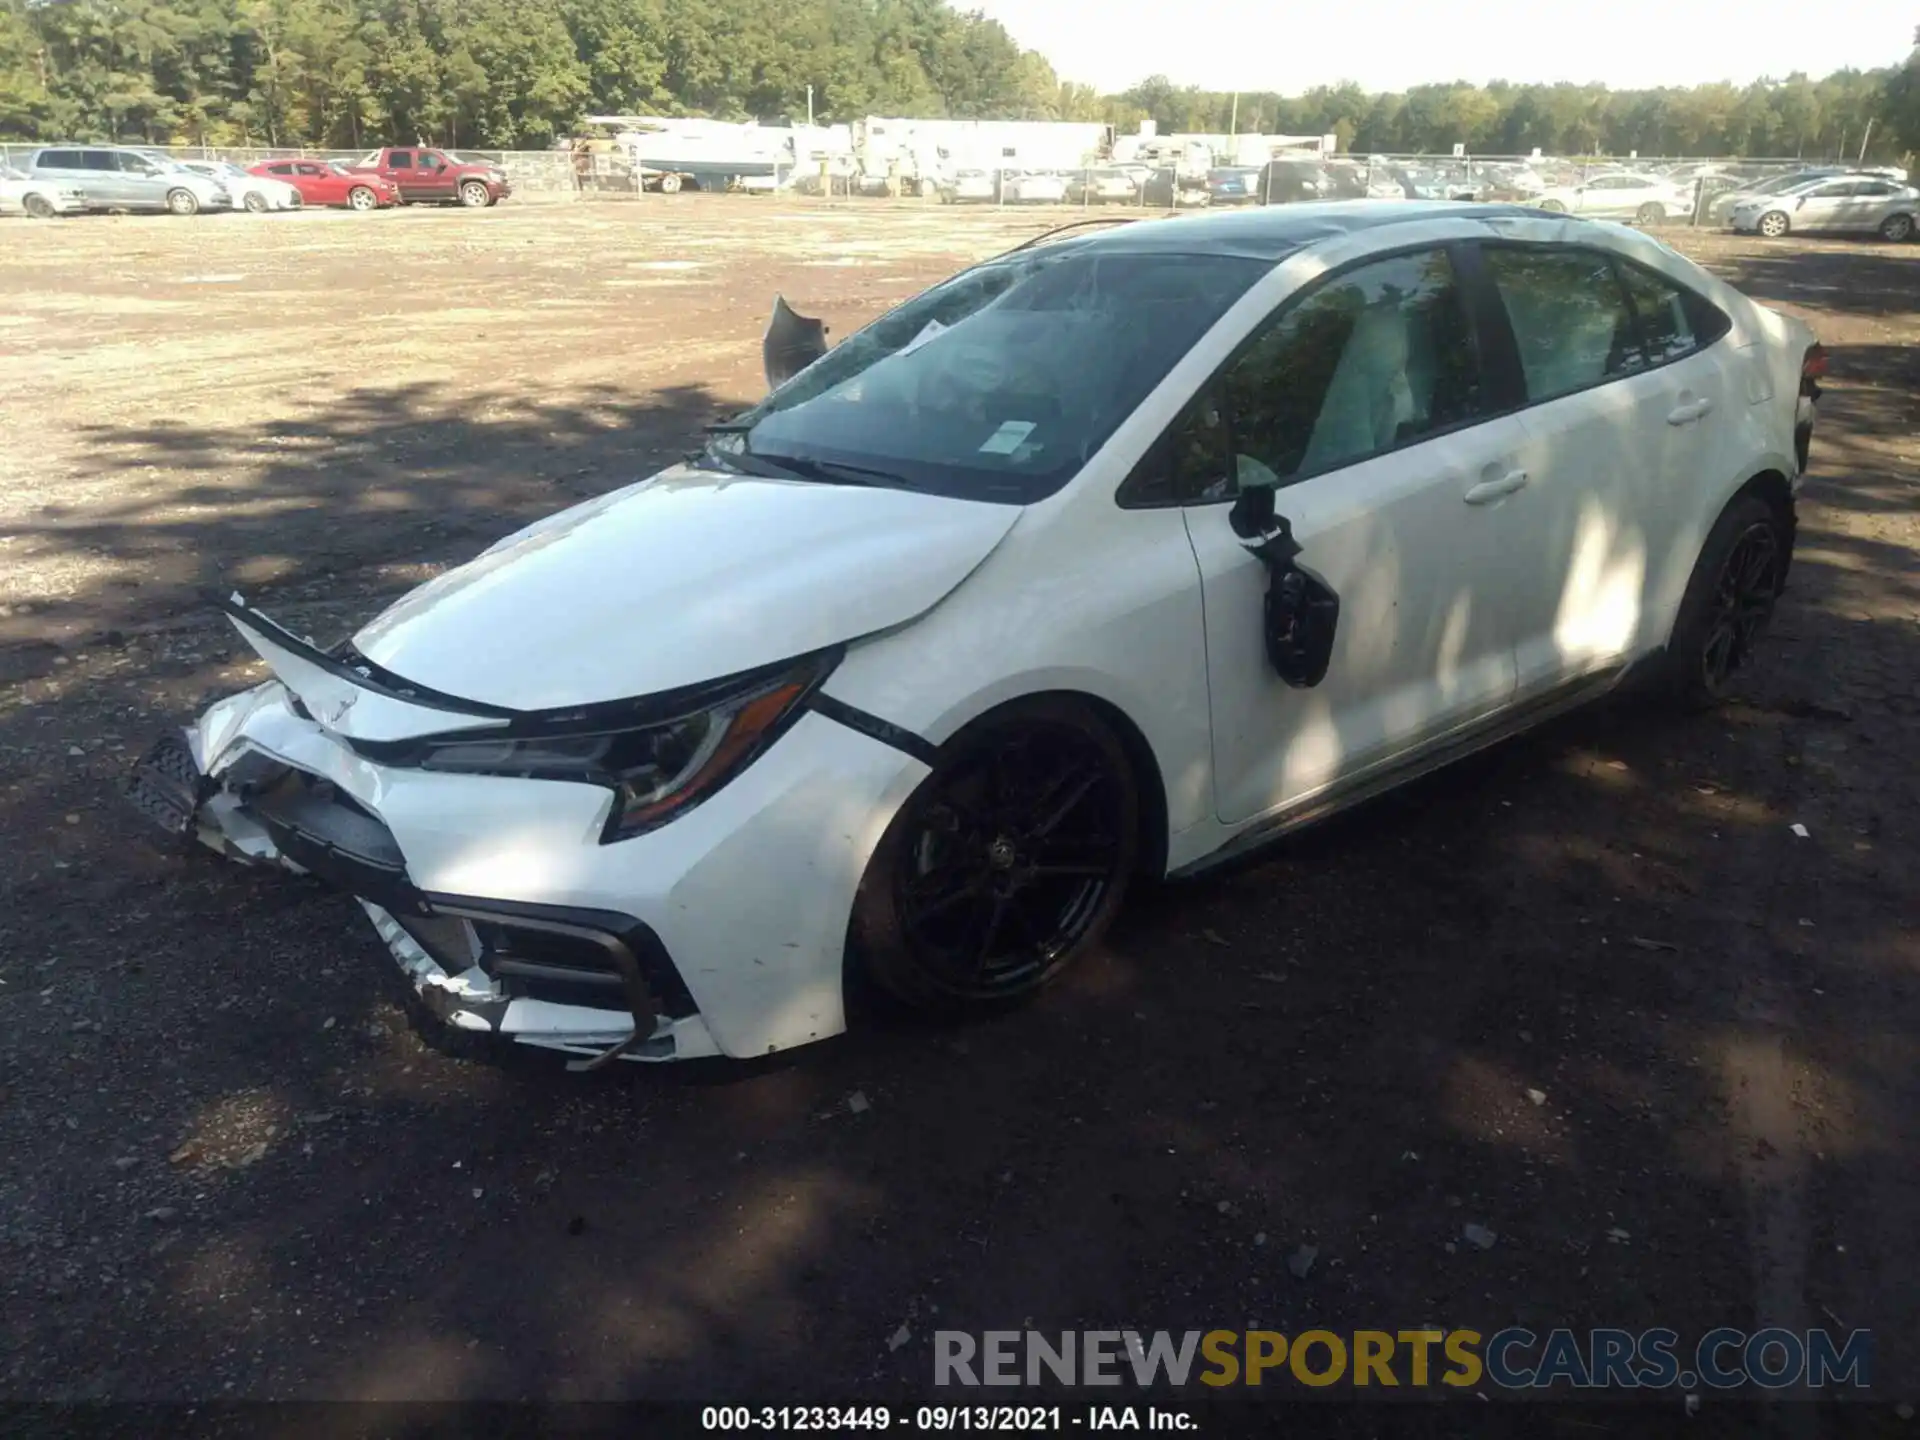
1643 190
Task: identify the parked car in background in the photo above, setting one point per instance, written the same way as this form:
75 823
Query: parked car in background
1289 181
257 193
1104 185
38 197
1721 205
1112 557
1510 182
1169 189
1233 185
1035 187
1344 180
116 177
329 182
1838 204
971 187
430 177
1620 195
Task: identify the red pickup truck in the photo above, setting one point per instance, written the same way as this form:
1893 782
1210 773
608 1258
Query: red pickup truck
424 176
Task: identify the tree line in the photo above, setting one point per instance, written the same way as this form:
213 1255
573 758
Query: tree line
504 74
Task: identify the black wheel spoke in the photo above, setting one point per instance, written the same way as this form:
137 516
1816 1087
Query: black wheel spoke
984 959
1743 599
1053 813
944 900
1019 847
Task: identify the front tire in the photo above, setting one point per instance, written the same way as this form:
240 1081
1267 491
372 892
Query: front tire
183 202
1729 601
669 184
1897 228
1773 224
1553 207
474 195
256 203
1005 865
1651 213
361 198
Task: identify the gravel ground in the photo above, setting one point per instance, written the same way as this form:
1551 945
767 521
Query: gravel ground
1588 991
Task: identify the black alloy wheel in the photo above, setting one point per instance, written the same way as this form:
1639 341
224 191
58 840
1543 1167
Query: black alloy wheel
1743 601
1006 864
1735 585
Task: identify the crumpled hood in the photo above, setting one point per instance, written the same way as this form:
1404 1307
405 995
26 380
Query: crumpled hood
686 577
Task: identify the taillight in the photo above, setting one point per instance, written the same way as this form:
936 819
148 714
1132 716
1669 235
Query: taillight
1813 365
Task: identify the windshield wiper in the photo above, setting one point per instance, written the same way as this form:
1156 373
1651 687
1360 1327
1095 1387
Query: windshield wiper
833 472
741 462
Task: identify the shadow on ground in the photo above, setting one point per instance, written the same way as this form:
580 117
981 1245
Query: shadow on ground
1588 991
362 495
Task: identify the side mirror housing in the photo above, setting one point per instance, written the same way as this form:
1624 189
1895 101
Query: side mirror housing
793 341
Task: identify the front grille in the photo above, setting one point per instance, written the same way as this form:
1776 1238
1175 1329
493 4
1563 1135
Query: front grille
560 954
577 969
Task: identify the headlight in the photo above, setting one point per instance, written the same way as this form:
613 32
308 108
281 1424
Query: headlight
656 768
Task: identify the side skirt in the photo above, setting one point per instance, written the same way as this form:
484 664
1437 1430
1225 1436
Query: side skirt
1391 774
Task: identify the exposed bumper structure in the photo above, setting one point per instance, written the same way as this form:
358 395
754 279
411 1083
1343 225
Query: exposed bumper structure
720 933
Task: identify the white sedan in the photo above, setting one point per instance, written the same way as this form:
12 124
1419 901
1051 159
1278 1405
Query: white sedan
1116 555
37 196
258 193
1859 204
1037 187
1644 199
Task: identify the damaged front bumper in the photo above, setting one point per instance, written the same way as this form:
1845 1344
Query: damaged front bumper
499 896
594 983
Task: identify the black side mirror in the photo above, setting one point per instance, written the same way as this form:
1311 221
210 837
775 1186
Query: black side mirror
1301 611
793 341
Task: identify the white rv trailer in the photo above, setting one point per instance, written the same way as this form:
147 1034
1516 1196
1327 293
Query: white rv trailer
935 149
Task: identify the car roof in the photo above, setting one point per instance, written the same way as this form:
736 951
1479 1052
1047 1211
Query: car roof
1273 232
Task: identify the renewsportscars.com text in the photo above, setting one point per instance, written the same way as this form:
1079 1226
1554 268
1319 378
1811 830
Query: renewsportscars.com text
1511 1359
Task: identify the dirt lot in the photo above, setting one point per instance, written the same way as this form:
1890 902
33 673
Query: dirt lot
234 1170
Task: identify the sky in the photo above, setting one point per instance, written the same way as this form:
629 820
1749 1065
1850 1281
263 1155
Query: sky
1392 44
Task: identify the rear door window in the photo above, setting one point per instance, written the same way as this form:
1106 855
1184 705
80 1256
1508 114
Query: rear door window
1661 308
400 159
1569 314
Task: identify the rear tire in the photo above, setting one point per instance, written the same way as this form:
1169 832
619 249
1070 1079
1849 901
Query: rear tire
183 202
1553 207
361 198
1005 865
1651 213
669 184
1729 600
475 196
1773 224
38 207
1897 228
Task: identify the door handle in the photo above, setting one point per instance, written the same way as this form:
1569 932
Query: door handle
1487 491
1690 412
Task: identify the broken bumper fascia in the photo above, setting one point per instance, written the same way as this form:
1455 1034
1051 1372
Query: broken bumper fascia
734 917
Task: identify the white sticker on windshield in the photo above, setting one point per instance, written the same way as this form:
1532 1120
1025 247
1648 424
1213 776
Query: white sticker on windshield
933 328
1008 438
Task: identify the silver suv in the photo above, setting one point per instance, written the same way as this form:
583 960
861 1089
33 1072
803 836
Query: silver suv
113 178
